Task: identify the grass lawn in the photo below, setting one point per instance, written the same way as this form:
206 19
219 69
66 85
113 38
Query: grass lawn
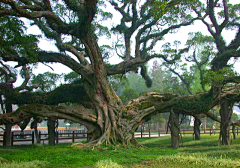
156 153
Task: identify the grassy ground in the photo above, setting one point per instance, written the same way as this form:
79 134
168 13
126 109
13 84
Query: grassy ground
156 153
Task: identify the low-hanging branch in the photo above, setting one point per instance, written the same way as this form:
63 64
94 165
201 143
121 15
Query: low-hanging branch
135 111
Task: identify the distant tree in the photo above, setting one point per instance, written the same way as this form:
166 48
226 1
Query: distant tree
46 81
128 95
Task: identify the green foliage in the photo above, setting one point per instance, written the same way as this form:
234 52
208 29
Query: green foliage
197 38
70 77
172 11
14 41
217 77
46 81
136 82
233 13
202 103
128 95
234 117
119 82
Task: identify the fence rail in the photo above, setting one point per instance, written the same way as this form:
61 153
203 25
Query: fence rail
60 135
159 132
63 135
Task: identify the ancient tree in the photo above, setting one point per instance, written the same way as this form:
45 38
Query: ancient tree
107 119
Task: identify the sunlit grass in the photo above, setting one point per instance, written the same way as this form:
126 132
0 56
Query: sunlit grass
156 153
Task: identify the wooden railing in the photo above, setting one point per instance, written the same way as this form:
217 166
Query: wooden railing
73 135
60 135
159 132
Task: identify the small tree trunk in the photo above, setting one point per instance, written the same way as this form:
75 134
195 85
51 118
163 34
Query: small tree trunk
175 129
7 136
197 124
51 131
226 114
205 124
233 131
37 136
34 126
7 141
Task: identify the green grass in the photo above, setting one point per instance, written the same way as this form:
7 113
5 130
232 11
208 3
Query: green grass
156 153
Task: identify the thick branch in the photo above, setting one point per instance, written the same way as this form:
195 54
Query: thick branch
62 94
80 115
51 57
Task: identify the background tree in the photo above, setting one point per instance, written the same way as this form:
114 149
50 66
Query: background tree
13 41
222 16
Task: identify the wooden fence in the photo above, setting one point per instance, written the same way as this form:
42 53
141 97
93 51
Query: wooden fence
159 132
60 135
73 135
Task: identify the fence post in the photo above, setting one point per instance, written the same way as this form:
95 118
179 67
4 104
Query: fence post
4 138
159 132
12 138
57 141
141 132
237 130
73 136
149 133
39 136
32 137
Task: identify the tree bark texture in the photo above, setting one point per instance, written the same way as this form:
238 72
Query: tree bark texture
51 131
197 124
35 127
175 129
226 114
7 135
8 132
